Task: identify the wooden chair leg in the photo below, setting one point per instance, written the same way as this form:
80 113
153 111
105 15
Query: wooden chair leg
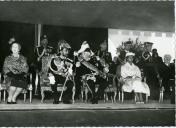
86 95
43 95
24 97
36 83
73 95
0 95
119 95
30 100
161 96
82 96
122 96
112 100
105 97
115 95
4 95
134 98
146 98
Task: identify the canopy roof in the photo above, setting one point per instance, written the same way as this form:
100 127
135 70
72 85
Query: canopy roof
149 16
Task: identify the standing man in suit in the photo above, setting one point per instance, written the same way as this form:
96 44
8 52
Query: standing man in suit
167 73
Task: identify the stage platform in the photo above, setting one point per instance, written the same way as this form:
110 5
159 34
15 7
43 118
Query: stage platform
78 105
81 114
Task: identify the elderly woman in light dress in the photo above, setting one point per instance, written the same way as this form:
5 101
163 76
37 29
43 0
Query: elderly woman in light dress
131 76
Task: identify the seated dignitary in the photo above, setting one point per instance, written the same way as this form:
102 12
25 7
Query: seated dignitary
60 72
167 73
87 70
131 76
16 68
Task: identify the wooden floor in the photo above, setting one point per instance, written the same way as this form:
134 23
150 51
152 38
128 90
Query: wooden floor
78 105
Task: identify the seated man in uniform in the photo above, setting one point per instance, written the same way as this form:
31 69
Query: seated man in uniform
86 70
106 66
60 72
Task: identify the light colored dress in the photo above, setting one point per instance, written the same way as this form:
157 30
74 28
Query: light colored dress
131 76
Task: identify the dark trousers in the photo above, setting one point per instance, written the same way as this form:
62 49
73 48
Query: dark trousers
103 84
172 100
67 94
91 85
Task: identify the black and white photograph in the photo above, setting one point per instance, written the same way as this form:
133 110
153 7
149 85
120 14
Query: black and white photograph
87 63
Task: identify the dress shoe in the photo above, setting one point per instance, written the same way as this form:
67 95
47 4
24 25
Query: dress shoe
9 102
56 102
67 102
94 101
13 102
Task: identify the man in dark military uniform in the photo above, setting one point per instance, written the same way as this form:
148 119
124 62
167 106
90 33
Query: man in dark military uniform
151 69
60 73
128 46
146 54
87 70
43 50
43 53
107 66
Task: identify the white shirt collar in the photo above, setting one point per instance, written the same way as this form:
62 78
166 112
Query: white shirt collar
128 64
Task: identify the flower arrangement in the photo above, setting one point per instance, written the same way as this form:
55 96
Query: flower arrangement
136 47
141 51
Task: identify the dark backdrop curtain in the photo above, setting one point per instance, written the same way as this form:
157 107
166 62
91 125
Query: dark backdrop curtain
24 34
75 36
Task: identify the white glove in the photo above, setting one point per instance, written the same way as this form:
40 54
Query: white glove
78 64
106 69
98 58
51 79
75 53
70 71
